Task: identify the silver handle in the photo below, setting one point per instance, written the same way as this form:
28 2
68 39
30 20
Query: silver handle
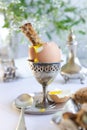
21 123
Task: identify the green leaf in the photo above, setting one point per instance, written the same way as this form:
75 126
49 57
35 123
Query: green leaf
82 32
25 15
67 20
6 25
62 4
83 20
49 36
47 1
60 26
75 22
70 9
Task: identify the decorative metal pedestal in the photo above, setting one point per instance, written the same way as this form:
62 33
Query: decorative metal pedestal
79 76
7 69
72 69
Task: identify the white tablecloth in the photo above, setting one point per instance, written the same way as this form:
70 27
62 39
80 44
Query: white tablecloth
9 116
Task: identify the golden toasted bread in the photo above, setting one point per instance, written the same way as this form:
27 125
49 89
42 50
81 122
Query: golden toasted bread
80 96
31 34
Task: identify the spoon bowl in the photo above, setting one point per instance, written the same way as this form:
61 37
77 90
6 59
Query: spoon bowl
24 101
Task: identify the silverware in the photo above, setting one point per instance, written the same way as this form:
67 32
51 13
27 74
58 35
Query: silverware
23 101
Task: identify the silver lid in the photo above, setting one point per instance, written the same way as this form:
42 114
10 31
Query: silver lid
71 38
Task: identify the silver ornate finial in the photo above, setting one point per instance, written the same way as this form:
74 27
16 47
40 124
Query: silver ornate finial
71 38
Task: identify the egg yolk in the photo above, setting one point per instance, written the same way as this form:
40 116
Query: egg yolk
37 49
55 92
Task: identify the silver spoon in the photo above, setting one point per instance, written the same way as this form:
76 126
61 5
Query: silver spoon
23 101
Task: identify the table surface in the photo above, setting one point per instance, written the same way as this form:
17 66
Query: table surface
26 83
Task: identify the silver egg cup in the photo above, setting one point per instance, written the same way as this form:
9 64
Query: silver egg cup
44 73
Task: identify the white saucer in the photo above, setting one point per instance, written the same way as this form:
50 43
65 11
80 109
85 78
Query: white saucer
39 111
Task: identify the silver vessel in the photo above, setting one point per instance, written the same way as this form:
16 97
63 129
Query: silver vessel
72 69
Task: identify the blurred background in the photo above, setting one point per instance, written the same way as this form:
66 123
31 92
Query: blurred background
52 19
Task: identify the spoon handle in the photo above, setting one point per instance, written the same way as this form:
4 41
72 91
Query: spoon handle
21 123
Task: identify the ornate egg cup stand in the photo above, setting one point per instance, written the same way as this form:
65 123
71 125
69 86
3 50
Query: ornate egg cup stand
44 73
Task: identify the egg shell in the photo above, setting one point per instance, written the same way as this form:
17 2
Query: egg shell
49 54
31 53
